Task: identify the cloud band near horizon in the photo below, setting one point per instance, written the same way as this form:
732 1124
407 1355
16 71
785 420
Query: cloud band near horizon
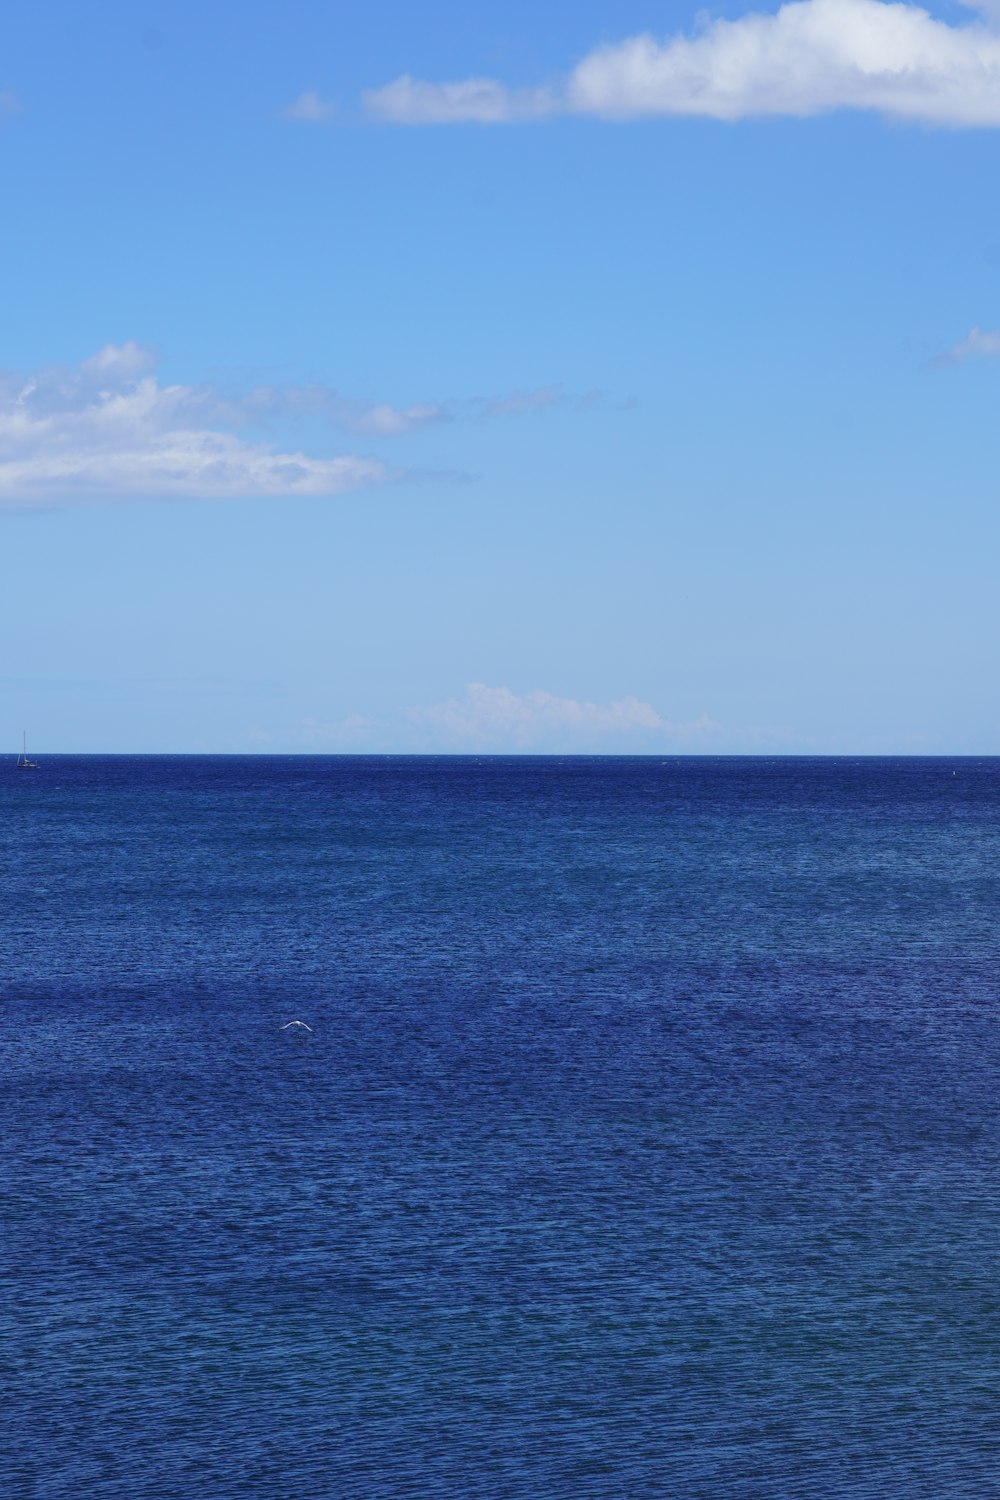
498 720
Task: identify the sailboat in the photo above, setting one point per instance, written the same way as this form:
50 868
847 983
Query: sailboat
23 763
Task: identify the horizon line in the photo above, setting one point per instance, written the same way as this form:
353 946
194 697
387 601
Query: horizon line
659 755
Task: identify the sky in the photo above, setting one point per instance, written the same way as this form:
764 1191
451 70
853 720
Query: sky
413 376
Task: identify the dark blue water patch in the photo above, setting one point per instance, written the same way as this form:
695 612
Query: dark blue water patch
645 1143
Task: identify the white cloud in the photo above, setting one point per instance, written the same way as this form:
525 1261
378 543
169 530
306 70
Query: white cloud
119 362
495 718
808 58
310 108
9 102
979 343
109 430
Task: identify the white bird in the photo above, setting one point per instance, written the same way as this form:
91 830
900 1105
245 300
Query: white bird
289 1024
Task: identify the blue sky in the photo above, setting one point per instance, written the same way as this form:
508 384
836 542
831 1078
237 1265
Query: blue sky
578 377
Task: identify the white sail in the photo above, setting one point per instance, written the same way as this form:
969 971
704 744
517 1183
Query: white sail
23 763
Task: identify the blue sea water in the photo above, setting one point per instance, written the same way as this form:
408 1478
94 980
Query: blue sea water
647 1143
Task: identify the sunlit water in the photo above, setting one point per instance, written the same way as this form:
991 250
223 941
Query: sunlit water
647 1143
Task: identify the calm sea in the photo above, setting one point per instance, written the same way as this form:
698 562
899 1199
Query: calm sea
646 1143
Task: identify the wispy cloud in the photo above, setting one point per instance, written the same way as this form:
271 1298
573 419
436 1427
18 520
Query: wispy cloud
371 418
979 343
541 398
518 403
108 429
310 109
411 101
9 103
382 419
807 58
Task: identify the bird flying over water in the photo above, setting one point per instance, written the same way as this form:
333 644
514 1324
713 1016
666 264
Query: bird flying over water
300 1024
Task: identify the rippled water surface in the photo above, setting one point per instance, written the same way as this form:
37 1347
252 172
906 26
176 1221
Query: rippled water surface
647 1143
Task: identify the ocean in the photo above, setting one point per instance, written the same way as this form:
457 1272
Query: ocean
645 1143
